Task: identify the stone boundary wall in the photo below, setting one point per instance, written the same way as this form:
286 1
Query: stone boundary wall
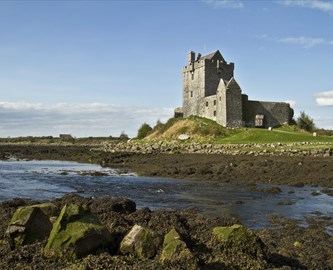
272 149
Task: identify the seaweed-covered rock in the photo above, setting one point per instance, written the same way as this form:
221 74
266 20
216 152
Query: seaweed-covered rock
77 231
31 223
141 241
176 252
238 238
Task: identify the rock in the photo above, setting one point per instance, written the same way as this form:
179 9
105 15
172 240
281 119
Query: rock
183 137
175 251
238 238
142 242
31 223
77 231
119 205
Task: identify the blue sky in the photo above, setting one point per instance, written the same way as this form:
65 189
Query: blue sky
94 68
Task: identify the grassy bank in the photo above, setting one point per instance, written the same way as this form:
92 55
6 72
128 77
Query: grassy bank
205 130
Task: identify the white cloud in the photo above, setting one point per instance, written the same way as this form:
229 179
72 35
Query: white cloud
94 119
324 122
303 41
324 98
325 6
292 103
224 3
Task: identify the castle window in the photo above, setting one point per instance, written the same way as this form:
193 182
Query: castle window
214 102
192 76
259 121
214 113
206 103
220 99
191 93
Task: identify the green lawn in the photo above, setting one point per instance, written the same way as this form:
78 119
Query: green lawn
284 134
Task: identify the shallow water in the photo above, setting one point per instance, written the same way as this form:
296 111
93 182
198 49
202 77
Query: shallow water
52 179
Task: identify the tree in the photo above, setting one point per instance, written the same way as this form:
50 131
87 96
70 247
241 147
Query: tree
143 131
305 122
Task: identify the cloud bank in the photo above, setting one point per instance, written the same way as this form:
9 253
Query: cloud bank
325 6
305 42
224 3
80 120
324 98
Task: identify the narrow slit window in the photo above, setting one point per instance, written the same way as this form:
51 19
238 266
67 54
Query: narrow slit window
191 93
214 113
206 103
214 102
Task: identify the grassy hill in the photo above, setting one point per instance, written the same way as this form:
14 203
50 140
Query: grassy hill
205 130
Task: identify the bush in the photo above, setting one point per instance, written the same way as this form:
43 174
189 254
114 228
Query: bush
143 131
305 122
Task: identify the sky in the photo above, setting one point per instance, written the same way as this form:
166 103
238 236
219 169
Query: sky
100 68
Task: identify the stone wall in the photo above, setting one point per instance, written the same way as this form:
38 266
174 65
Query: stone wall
275 113
193 88
233 105
271 149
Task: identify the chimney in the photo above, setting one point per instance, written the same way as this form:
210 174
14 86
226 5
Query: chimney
191 57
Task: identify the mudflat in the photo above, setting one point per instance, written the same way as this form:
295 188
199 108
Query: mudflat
290 170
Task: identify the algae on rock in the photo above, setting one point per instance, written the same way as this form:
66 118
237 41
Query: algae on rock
175 251
141 241
31 223
78 231
238 238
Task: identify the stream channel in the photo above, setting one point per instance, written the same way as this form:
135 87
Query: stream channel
42 180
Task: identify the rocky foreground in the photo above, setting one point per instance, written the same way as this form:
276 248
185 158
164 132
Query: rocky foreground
110 233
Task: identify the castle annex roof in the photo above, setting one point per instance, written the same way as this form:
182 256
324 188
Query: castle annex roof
210 56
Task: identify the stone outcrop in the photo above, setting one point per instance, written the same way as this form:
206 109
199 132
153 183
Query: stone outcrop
175 251
238 238
31 223
77 231
140 241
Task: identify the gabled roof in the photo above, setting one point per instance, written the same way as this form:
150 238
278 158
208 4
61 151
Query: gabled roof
210 56
233 84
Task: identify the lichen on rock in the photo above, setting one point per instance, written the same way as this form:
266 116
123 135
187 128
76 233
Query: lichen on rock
31 223
238 238
140 241
76 231
175 251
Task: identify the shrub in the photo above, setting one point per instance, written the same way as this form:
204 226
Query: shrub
305 122
143 131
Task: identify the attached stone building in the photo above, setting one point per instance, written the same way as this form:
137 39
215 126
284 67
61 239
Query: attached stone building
210 91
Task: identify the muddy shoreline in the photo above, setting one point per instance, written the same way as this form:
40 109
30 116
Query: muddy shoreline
307 170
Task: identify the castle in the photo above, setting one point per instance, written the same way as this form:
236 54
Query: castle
210 91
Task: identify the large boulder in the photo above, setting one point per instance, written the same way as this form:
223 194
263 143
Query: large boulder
140 241
31 223
77 232
176 253
238 238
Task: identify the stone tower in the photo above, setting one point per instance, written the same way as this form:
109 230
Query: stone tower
209 90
